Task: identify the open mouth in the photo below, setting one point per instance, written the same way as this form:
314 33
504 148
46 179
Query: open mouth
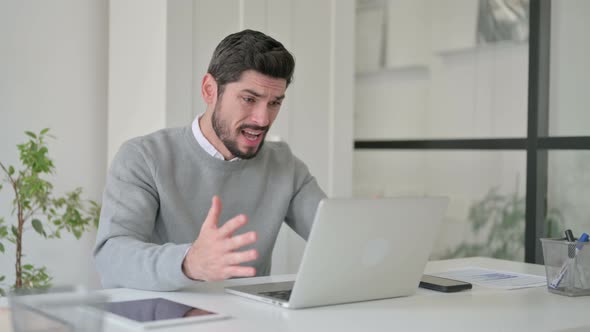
252 135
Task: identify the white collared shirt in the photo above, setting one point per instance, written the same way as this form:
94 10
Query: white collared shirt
204 143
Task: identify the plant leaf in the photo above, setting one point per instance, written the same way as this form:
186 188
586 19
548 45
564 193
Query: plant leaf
28 267
1 250
14 230
2 278
31 134
38 227
44 131
10 170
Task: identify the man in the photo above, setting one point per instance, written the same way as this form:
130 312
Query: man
165 189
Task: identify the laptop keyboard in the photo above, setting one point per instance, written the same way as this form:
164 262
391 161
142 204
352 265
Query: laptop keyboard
281 295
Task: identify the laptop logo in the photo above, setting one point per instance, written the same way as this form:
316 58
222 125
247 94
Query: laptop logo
375 252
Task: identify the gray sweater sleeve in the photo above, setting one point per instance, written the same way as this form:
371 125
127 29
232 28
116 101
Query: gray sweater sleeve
124 254
303 205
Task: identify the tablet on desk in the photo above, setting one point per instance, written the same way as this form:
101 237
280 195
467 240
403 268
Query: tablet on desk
156 312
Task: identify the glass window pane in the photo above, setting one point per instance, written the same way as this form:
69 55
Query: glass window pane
570 68
487 192
568 192
461 72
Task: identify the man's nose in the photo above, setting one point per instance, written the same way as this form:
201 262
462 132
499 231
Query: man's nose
260 115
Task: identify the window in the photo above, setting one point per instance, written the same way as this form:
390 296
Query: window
479 117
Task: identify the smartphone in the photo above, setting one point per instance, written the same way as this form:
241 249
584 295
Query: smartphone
443 284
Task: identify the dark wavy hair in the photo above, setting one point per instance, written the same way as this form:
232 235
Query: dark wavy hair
250 50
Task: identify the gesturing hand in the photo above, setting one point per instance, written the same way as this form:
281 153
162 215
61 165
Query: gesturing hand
213 255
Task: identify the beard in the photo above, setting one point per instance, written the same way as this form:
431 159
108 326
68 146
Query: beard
224 132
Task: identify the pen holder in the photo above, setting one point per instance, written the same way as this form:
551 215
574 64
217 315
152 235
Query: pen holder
568 272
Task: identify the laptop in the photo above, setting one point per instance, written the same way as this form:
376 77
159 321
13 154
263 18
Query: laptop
359 250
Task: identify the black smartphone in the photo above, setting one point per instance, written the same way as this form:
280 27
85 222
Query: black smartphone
443 284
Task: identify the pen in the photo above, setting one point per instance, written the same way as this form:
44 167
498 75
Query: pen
571 249
579 245
569 236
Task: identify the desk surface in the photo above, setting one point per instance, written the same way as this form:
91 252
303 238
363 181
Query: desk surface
480 309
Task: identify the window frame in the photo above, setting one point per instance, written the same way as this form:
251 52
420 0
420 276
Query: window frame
537 143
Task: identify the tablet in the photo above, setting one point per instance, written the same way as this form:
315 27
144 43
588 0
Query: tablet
156 312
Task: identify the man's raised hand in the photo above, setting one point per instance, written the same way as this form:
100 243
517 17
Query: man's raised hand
213 255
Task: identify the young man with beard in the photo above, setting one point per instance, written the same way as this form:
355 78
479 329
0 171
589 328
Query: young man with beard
166 189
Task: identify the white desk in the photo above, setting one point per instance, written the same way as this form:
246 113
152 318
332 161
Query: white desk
480 309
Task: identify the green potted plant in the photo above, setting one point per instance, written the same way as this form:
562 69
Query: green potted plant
502 218
35 207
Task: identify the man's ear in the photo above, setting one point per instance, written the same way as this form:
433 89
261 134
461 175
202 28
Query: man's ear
209 89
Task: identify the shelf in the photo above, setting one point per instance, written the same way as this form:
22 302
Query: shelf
481 47
405 70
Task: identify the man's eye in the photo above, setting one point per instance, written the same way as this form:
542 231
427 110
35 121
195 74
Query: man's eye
275 103
249 99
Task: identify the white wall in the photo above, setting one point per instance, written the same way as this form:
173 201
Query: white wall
150 60
180 89
53 65
137 70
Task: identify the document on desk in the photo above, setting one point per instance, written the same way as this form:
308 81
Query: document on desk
494 278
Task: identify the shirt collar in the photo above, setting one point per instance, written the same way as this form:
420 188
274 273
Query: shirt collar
204 143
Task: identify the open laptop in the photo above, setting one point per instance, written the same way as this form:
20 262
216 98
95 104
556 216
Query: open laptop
359 250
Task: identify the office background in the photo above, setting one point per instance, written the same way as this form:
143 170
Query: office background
99 72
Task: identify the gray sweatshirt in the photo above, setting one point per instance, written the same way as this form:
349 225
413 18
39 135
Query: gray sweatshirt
158 193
